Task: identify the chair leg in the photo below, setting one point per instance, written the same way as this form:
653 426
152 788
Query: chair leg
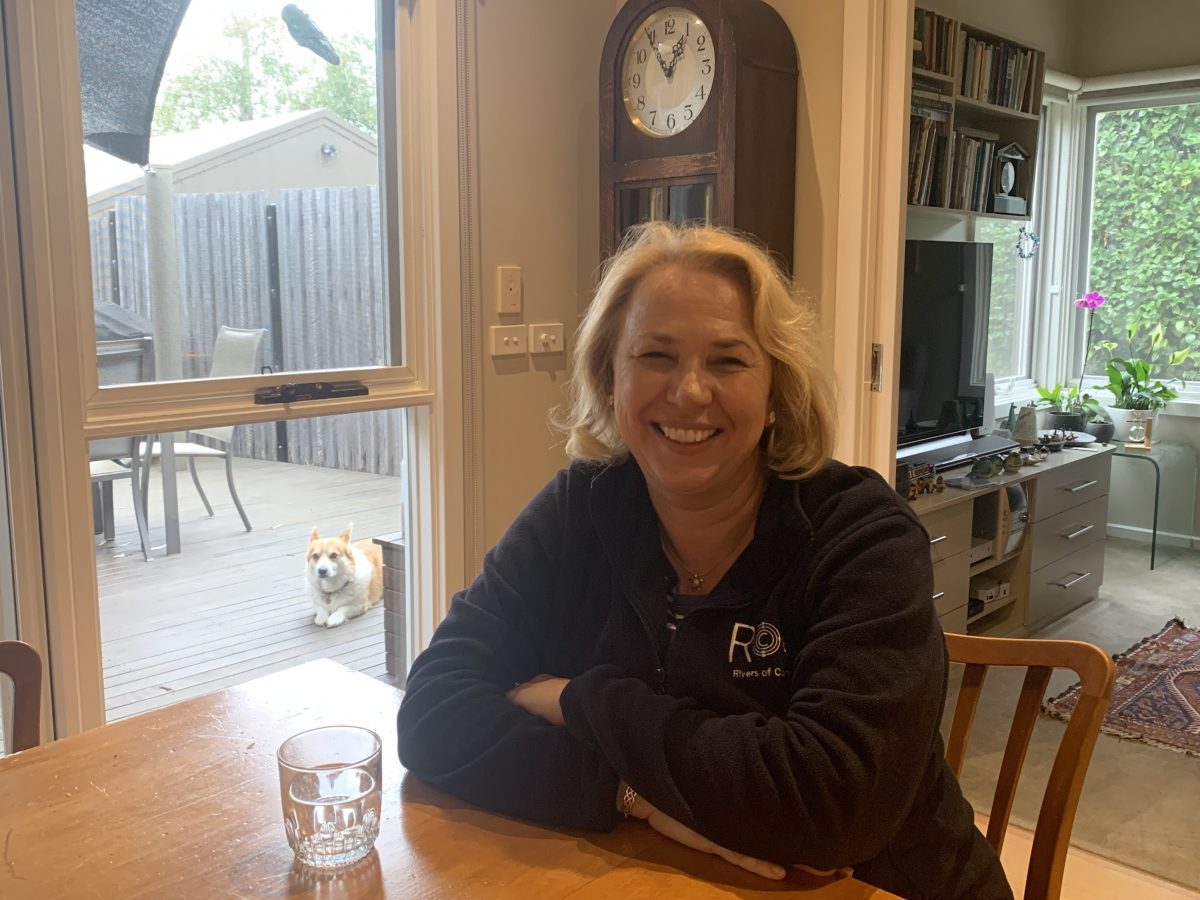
139 508
97 509
199 489
106 498
232 490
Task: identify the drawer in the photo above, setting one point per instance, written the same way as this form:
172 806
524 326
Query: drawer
950 580
1070 530
1065 584
955 620
1068 486
949 530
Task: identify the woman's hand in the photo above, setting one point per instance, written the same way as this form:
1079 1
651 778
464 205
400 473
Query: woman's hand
540 696
680 833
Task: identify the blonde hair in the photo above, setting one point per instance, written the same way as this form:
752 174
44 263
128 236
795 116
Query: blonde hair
801 439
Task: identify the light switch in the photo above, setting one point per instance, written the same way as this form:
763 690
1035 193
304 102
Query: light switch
509 340
546 337
508 290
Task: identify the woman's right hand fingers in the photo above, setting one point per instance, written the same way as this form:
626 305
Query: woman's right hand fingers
750 864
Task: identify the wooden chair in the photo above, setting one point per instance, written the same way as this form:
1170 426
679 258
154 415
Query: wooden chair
1052 835
23 665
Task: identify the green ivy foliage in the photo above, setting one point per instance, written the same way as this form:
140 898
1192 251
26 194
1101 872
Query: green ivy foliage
1145 252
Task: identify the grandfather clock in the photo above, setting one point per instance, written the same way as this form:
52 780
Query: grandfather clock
698 119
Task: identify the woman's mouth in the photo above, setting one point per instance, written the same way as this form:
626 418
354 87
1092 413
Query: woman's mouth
686 435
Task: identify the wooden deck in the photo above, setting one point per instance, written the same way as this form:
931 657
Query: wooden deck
232 605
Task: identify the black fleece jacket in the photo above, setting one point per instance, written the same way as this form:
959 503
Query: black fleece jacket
794 718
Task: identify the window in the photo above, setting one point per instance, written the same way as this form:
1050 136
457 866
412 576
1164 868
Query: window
1142 237
1009 309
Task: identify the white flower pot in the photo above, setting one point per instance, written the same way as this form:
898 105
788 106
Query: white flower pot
1120 419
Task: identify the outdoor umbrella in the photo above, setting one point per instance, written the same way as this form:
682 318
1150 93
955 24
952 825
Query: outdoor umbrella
123 47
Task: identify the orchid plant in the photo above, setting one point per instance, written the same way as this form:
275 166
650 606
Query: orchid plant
1129 379
1071 400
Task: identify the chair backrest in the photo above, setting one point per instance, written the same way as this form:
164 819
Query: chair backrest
23 665
1057 814
235 352
119 362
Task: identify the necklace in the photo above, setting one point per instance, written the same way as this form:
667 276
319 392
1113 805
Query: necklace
696 580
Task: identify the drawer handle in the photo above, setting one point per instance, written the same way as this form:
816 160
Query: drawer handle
1083 487
1075 581
1078 532
938 540
939 595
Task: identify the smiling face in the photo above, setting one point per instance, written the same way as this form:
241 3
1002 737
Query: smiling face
691 386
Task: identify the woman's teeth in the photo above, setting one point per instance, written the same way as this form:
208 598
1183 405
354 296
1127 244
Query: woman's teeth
687 435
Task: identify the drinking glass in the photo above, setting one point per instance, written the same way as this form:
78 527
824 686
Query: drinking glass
330 785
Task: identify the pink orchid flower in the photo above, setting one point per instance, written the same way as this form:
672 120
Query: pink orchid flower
1090 300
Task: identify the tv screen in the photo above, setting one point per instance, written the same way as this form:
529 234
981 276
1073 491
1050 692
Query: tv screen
943 339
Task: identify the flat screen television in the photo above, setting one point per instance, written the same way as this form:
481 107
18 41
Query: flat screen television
943 345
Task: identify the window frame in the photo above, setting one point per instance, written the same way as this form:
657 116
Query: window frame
1139 97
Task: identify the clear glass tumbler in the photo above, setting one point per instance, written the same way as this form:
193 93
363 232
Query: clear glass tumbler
330 784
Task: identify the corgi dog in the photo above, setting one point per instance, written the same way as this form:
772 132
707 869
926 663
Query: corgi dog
344 579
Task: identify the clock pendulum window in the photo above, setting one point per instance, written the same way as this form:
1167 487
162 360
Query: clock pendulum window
698 119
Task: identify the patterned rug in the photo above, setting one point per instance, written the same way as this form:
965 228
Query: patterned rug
1156 694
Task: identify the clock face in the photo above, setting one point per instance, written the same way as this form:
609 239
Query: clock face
667 73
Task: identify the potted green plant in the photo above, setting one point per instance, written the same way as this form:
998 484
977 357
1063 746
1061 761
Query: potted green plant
1067 408
1133 387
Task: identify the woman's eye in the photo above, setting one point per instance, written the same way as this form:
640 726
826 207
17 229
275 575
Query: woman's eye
730 362
653 354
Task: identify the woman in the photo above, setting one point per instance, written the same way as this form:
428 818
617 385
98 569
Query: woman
704 621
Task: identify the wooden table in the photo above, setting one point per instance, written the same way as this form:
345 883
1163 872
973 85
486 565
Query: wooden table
184 802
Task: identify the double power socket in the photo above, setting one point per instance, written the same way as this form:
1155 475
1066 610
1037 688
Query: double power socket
517 340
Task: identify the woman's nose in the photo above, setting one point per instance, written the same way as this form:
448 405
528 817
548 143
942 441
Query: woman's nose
693 387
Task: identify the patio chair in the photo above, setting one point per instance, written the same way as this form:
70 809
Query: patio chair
23 664
112 459
1051 837
234 353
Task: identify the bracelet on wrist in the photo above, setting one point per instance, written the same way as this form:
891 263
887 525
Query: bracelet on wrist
627 800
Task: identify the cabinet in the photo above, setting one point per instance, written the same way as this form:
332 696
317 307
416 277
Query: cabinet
1021 585
976 95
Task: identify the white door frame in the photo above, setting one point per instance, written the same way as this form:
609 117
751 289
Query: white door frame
876 52
67 406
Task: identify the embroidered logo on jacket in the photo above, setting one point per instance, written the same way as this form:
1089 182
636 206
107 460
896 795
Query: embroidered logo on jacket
761 640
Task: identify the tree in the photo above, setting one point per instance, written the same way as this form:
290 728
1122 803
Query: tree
262 82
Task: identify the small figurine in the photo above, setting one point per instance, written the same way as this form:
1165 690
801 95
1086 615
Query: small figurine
939 484
912 490
1012 462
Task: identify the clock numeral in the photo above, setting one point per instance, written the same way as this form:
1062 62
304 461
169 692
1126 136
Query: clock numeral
641 102
636 80
641 57
653 116
652 36
706 69
669 26
688 115
700 92
671 121
701 39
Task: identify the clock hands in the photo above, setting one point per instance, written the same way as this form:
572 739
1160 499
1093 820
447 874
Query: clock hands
676 54
661 62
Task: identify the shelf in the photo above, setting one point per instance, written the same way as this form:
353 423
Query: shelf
982 106
993 606
937 76
964 214
986 565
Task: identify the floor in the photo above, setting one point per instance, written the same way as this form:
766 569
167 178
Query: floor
1140 805
232 605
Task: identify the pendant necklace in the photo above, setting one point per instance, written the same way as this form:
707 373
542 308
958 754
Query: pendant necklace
696 580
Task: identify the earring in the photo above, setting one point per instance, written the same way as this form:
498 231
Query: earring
771 418
612 401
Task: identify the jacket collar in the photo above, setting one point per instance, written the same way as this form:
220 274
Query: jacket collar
627 525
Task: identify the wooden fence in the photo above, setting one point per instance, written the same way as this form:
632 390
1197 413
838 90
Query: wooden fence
330 311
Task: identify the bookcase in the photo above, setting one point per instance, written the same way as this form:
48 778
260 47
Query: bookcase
975 96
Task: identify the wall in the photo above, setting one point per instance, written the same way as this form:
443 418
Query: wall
538 131
1116 36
